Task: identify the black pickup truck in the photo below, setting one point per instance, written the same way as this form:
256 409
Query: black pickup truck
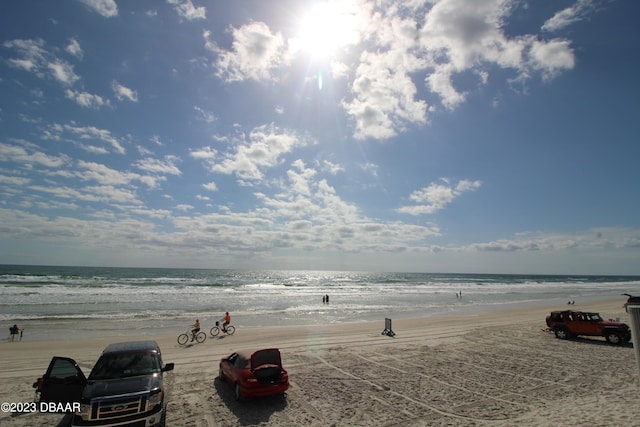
125 386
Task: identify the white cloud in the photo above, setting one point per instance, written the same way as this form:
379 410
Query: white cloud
384 97
166 166
25 64
207 116
106 8
449 38
86 99
63 72
570 15
265 149
459 36
309 214
331 167
184 207
433 42
254 53
552 57
300 178
370 168
187 10
106 176
156 140
466 185
211 186
594 239
122 92
436 197
84 133
205 153
14 181
29 156
440 82
91 194
74 48
35 58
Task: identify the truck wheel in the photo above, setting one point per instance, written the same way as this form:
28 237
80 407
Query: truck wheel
562 333
238 393
613 338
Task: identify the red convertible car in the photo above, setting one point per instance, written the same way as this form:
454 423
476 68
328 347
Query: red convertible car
253 374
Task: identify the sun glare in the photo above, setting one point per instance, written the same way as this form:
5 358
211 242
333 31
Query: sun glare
324 29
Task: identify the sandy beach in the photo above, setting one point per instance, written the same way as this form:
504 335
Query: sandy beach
487 369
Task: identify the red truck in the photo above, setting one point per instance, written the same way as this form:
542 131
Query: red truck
568 323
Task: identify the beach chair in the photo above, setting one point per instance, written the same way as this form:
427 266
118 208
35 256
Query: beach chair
388 331
13 332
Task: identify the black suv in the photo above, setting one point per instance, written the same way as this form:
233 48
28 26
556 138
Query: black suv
124 388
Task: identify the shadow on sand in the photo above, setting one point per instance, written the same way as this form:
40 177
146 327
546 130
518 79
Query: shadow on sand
250 411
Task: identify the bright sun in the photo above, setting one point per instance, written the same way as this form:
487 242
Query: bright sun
324 29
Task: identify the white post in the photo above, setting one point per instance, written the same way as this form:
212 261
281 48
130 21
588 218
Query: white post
634 317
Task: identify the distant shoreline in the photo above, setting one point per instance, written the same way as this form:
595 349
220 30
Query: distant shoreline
440 273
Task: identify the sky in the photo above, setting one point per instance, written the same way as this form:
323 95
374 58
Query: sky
464 136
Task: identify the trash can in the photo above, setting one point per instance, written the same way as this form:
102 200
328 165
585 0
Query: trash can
634 318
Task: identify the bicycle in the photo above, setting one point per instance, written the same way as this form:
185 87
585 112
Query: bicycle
199 337
229 330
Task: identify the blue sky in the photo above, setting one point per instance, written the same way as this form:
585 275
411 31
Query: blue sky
495 136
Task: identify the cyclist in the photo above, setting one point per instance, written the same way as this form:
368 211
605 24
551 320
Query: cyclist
227 320
195 330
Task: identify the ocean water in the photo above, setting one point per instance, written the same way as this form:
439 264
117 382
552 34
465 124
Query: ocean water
90 301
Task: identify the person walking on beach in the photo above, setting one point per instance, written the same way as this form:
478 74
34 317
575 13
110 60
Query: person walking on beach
227 320
196 329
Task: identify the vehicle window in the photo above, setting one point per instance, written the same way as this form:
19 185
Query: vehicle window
241 362
119 365
63 369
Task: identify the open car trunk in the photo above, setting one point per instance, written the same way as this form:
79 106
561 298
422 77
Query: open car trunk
266 366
